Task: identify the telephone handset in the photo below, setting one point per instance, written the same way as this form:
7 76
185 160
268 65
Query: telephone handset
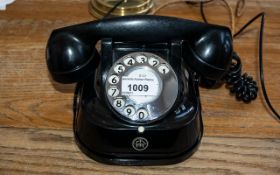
139 101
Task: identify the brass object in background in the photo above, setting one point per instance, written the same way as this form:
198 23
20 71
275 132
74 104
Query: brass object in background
99 8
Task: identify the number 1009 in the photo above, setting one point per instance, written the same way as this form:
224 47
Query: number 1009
138 87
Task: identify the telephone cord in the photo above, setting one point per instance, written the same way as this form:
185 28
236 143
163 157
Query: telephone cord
247 89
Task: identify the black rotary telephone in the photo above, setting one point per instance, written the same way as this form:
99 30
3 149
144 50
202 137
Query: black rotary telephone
138 96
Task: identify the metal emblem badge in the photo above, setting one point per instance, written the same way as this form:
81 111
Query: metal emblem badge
140 143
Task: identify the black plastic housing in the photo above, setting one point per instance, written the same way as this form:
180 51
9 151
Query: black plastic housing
101 134
71 52
195 51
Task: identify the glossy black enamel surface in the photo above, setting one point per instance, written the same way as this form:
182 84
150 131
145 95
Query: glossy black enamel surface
194 50
210 53
101 134
71 48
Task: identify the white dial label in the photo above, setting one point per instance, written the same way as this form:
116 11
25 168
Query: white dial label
142 113
119 68
113 92
141 85
129 110
114 79
119 103
141 59
129 61
163 69
153 62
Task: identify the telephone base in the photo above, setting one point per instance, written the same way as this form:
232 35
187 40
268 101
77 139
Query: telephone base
169 142
136 162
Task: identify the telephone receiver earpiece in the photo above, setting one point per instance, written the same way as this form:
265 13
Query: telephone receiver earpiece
71 54
209 53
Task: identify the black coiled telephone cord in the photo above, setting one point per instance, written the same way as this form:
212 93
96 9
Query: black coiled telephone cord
267 100
242 85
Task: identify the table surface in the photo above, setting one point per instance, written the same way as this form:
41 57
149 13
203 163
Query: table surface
36 112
